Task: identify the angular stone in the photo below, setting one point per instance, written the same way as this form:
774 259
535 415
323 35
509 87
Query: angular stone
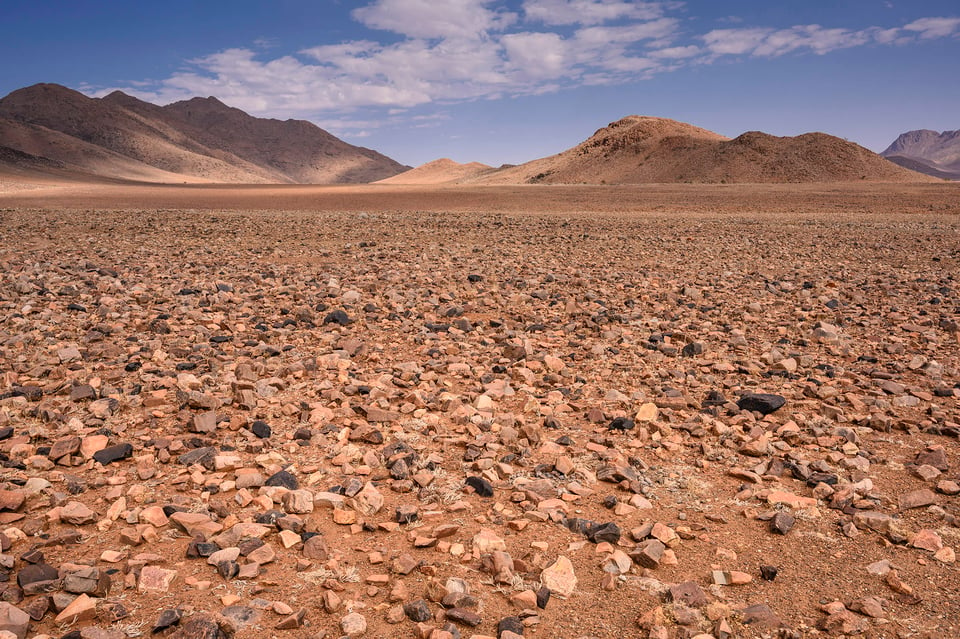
464 616
368 501
14 620
83 608
417 610
155 579
782 523
559 577
648 553
917 499
763 403
689 594
112 454
77 513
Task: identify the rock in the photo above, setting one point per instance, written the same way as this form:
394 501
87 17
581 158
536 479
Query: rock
510 625
689 594
242 616
648 553
261 429
83 608
463 616
204 627
111 454
486 541
761 616
77 514
12 500
353 624
917 499
480 485
284 479
935 456
34 573
155 579
368 501
559 577
340 317
782 523
599 533
14 620
293 620
621 423
418 610
763 403
167 619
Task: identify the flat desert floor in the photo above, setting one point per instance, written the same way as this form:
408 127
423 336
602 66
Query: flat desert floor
664 411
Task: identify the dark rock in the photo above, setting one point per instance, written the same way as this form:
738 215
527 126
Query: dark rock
407 514
111 454
604 532
283 478
692 349
481 486
621 423
337 317
228 569
510 624
763 403
203 456
768 573
261 429
417 610
168 618
782 523
543 597
33 573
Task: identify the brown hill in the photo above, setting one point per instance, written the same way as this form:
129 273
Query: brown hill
196 140
640 149
442 171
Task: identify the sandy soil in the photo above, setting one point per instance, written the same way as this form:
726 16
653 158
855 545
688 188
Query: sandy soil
580 301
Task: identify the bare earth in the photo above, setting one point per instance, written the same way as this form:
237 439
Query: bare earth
493 333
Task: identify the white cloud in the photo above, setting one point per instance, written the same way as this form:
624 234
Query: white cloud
477 49
431 19
676 53
589 12
929 28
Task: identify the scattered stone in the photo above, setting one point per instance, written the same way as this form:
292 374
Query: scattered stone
763 403
559 577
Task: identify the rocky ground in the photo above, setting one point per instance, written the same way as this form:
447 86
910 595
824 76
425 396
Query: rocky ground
394 424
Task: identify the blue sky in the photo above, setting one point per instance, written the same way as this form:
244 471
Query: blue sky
506 81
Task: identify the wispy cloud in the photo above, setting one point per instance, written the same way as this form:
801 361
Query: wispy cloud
480 49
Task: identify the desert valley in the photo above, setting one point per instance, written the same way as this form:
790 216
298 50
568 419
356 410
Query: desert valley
256 381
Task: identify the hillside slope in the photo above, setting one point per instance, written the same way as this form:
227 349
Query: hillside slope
641 149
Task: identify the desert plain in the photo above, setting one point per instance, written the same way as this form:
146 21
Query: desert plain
466 411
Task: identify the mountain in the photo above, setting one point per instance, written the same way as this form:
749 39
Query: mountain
442 171
641 149
198 140
931 151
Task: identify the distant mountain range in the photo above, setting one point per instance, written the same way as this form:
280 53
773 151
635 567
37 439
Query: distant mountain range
50 129
930 152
